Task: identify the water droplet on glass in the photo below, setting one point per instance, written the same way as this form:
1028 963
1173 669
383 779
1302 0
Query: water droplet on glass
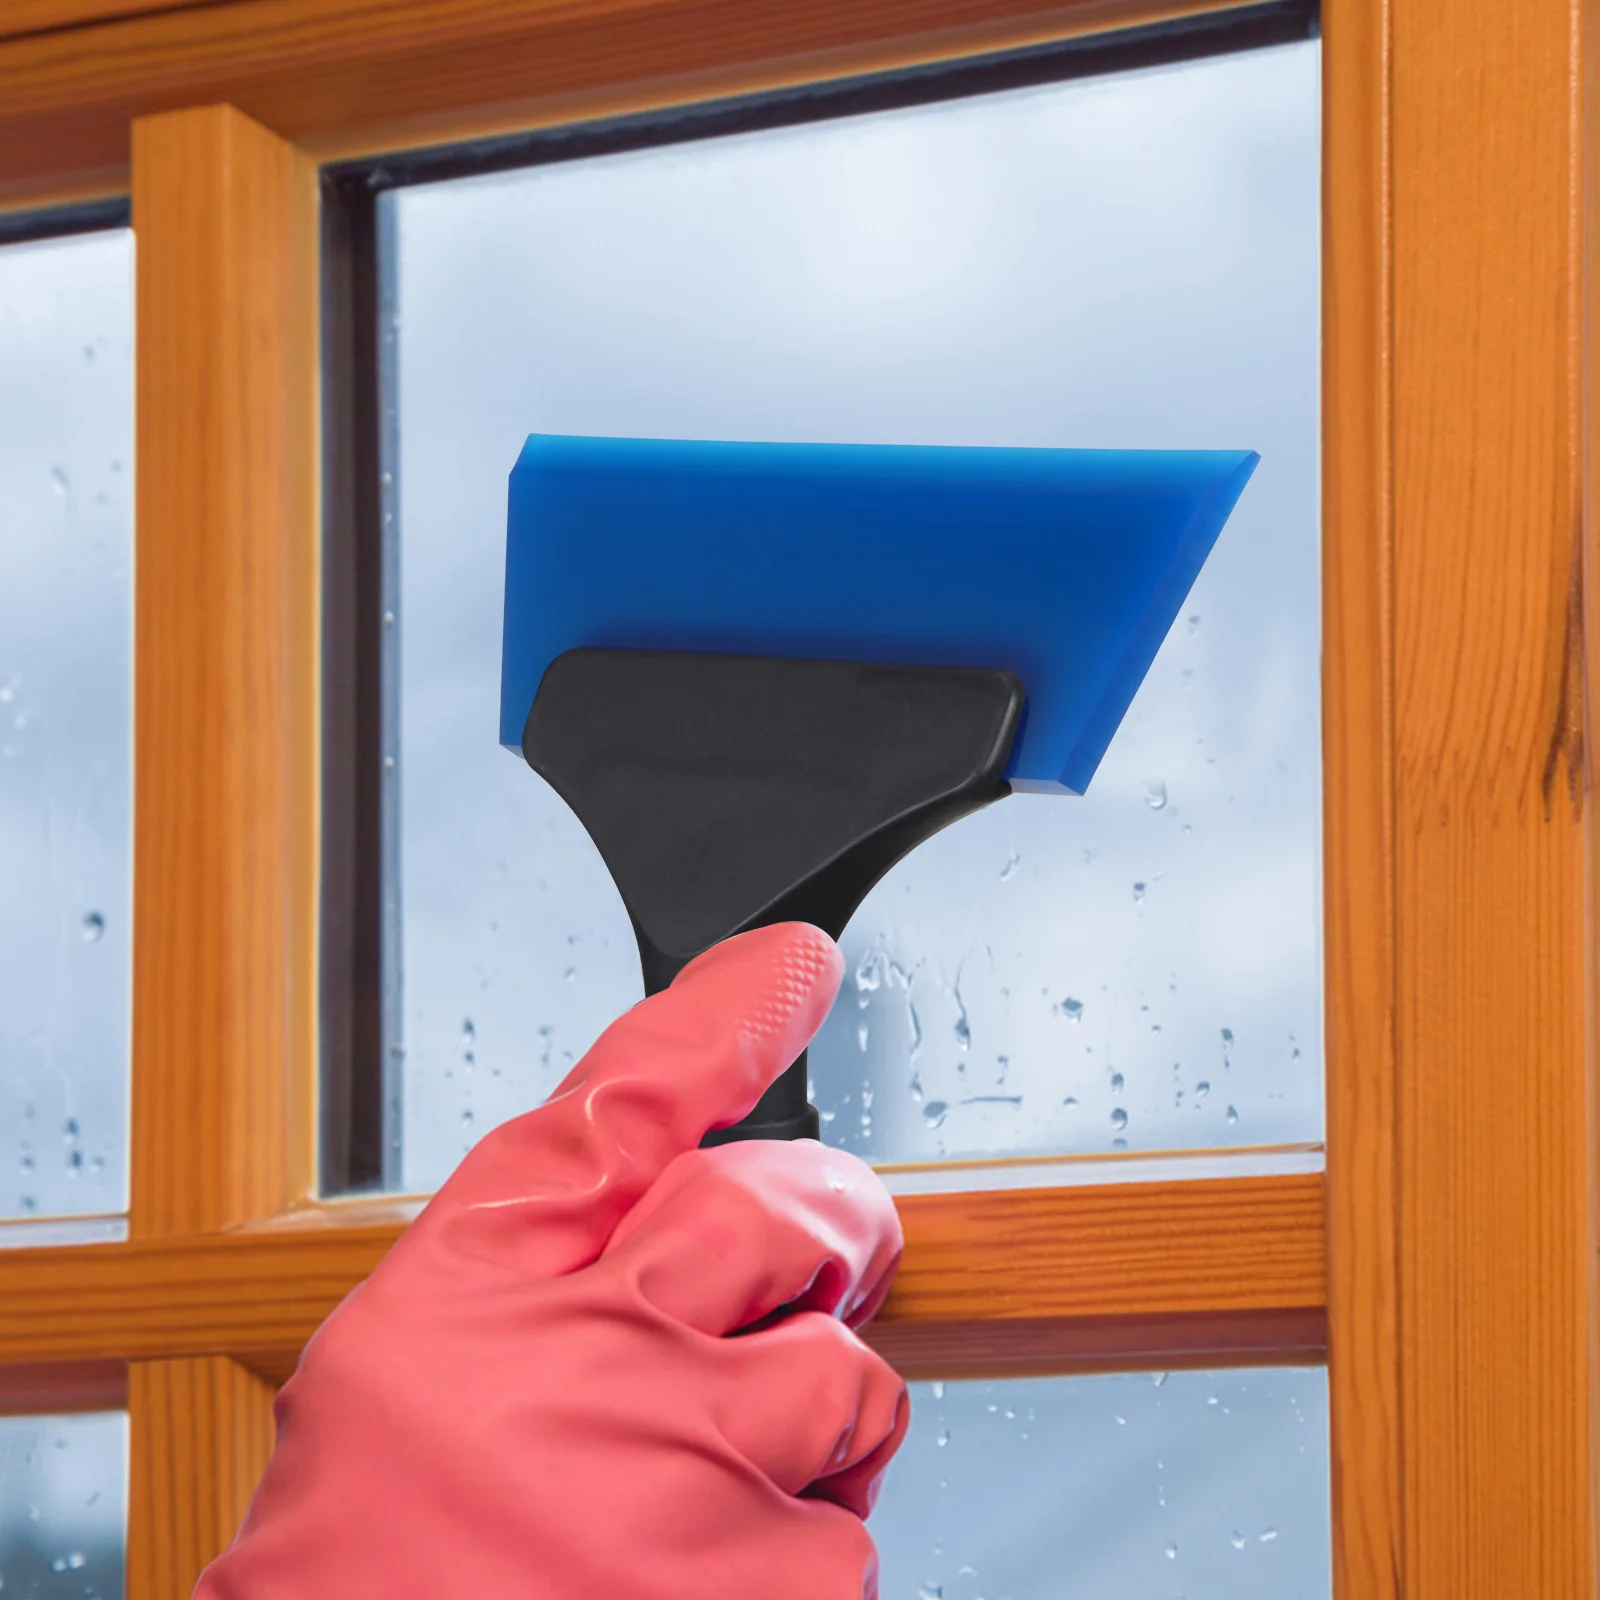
1009 870
1158 1379
863 1034
1138 893
570 975
1155 794
1201 1090
1070 1102
942 1438
1268 1535
1172 1551
69 1131
26 1163
1233 1116
930 1591
469 1033
869 972
388 763
938 1388
467 1118
962 1031
933 1112
1118 1083
1227 1038
93 928
1194 622
1122 1422
1072 1009
1119 1119
60 480
916 1087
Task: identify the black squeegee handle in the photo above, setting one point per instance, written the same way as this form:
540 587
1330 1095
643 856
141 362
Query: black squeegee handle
732 792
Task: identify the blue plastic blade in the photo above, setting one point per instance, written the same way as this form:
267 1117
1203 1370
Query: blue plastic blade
1067 566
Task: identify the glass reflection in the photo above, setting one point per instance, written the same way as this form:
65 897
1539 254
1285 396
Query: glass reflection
63 1506
1210 1486
66 597
1123 261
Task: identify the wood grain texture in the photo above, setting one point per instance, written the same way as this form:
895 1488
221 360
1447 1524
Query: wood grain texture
223 775
1358 736
223 727
368 74
1588 134
1495 1315
18 17
1042 1279
199 1435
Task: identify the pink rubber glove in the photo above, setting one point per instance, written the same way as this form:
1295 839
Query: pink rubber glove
539 1392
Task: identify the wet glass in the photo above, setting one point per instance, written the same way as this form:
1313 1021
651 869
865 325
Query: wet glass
63 1506
1208 1486
66 546
1122 261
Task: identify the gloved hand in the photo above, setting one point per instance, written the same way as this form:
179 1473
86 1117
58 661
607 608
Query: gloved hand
544 1389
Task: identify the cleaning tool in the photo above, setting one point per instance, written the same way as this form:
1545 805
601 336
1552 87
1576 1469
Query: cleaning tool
759 674
533 1394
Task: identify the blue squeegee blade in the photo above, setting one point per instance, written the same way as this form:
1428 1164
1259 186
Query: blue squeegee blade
1067 566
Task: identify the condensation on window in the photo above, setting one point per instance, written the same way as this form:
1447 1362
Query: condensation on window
1209 1486
1126 261
66 466
63 1506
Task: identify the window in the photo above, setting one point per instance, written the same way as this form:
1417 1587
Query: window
66 615
1149 1483
1135 970
1440 1263
63 1502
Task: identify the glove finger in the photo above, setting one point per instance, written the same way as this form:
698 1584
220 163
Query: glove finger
730 1235
813 1408
543 1192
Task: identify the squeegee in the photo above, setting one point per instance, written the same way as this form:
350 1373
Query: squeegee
760 674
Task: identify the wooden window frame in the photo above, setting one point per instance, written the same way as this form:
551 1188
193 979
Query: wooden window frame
1444 1266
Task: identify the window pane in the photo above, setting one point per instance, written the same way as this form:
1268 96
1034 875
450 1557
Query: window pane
66 440
1210 1486
1122 261
63 1506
